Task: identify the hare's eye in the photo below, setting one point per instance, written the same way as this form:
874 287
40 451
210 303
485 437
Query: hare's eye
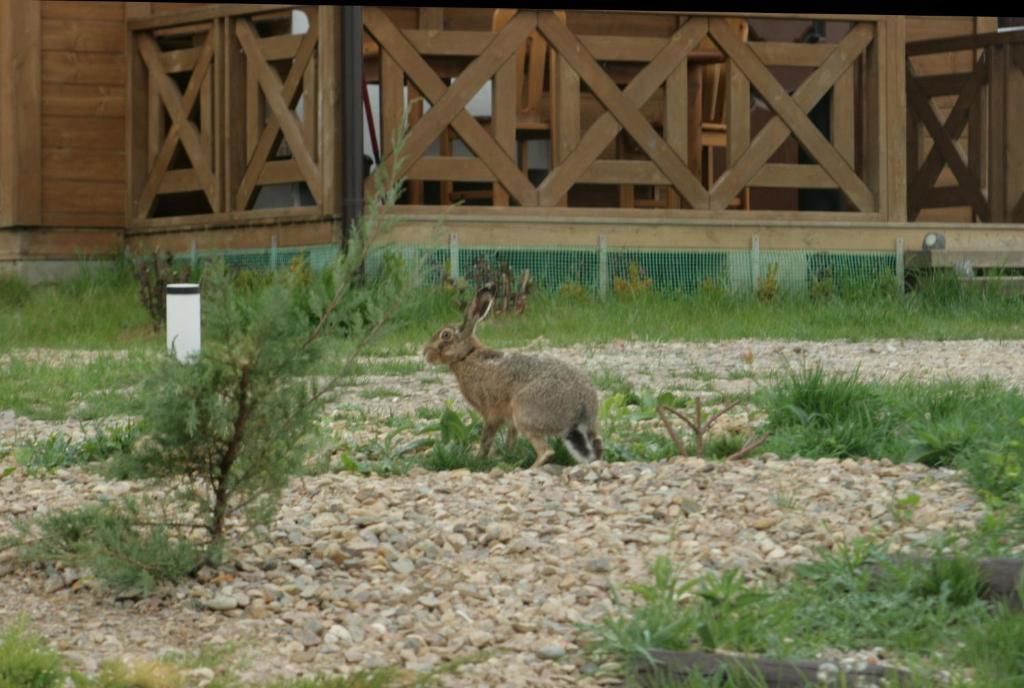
446 335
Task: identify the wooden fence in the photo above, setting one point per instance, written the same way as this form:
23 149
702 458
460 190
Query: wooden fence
227 101
988 176
608 65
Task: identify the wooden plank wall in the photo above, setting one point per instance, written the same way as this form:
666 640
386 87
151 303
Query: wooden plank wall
83 106
19 114
920 28
83 87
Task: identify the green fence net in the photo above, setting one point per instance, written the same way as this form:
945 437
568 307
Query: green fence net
597 270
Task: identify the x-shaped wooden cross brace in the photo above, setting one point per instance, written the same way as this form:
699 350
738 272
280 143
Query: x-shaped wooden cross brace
281 97
791 115
448 104
944 148
623 110
182 129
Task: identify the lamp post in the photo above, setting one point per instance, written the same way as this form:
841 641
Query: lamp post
183 322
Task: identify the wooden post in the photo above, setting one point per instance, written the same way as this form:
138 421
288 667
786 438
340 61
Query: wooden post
329 113
273 252
234 140
896 115
194 256
20 105
900 271
351 115
504 109
602 266
997 132
755 260
566 109
1015 144
871 85
137 124
453 256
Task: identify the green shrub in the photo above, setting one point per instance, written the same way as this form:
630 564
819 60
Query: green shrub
111 539
26 661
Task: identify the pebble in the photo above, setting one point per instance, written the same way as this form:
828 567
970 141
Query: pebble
550 651
221 603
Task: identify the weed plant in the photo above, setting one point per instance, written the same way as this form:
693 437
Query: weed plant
854 597
975 426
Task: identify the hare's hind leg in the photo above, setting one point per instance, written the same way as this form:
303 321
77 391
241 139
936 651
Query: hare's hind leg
491 428
510 436
540 445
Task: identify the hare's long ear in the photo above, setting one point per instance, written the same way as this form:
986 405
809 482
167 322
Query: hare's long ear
478 308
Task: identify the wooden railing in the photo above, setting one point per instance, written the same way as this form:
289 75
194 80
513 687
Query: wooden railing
974 138
225 103
611 78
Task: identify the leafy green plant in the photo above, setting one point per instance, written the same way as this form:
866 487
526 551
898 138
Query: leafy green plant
153 274
730 616
657 620
139 674
768 286
59 450
224 433
994 650
815 413
26 661
235 423
115 541
635 282
903 508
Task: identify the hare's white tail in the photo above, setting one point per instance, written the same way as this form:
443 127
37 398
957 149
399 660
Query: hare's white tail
583 443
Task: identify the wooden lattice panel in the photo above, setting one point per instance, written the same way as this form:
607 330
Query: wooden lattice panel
225 101
408 57
181 120
989 182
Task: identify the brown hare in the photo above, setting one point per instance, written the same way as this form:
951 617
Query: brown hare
539 397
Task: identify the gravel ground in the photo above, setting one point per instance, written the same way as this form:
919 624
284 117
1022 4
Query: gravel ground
420 569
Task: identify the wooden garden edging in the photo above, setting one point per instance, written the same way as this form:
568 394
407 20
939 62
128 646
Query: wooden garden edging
1000 578
776 673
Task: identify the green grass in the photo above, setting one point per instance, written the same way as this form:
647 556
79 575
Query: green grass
856 597
39 389
97 309
976 426
100 309
26 661
59 450
941 310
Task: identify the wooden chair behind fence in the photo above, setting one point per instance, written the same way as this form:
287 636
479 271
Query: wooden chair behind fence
534 108
712 128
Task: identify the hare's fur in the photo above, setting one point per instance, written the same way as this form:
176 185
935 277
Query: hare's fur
538 396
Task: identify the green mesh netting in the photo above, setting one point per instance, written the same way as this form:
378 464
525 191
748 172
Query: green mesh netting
614 270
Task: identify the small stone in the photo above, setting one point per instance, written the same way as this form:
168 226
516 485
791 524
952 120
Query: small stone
429 600
403 566
221 603
338 634
550 651
598 565
480 638
306 637
765 523
53 584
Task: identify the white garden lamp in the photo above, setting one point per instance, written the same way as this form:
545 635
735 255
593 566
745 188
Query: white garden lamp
183 320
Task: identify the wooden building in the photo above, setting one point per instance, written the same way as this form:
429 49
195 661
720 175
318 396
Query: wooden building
200 125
